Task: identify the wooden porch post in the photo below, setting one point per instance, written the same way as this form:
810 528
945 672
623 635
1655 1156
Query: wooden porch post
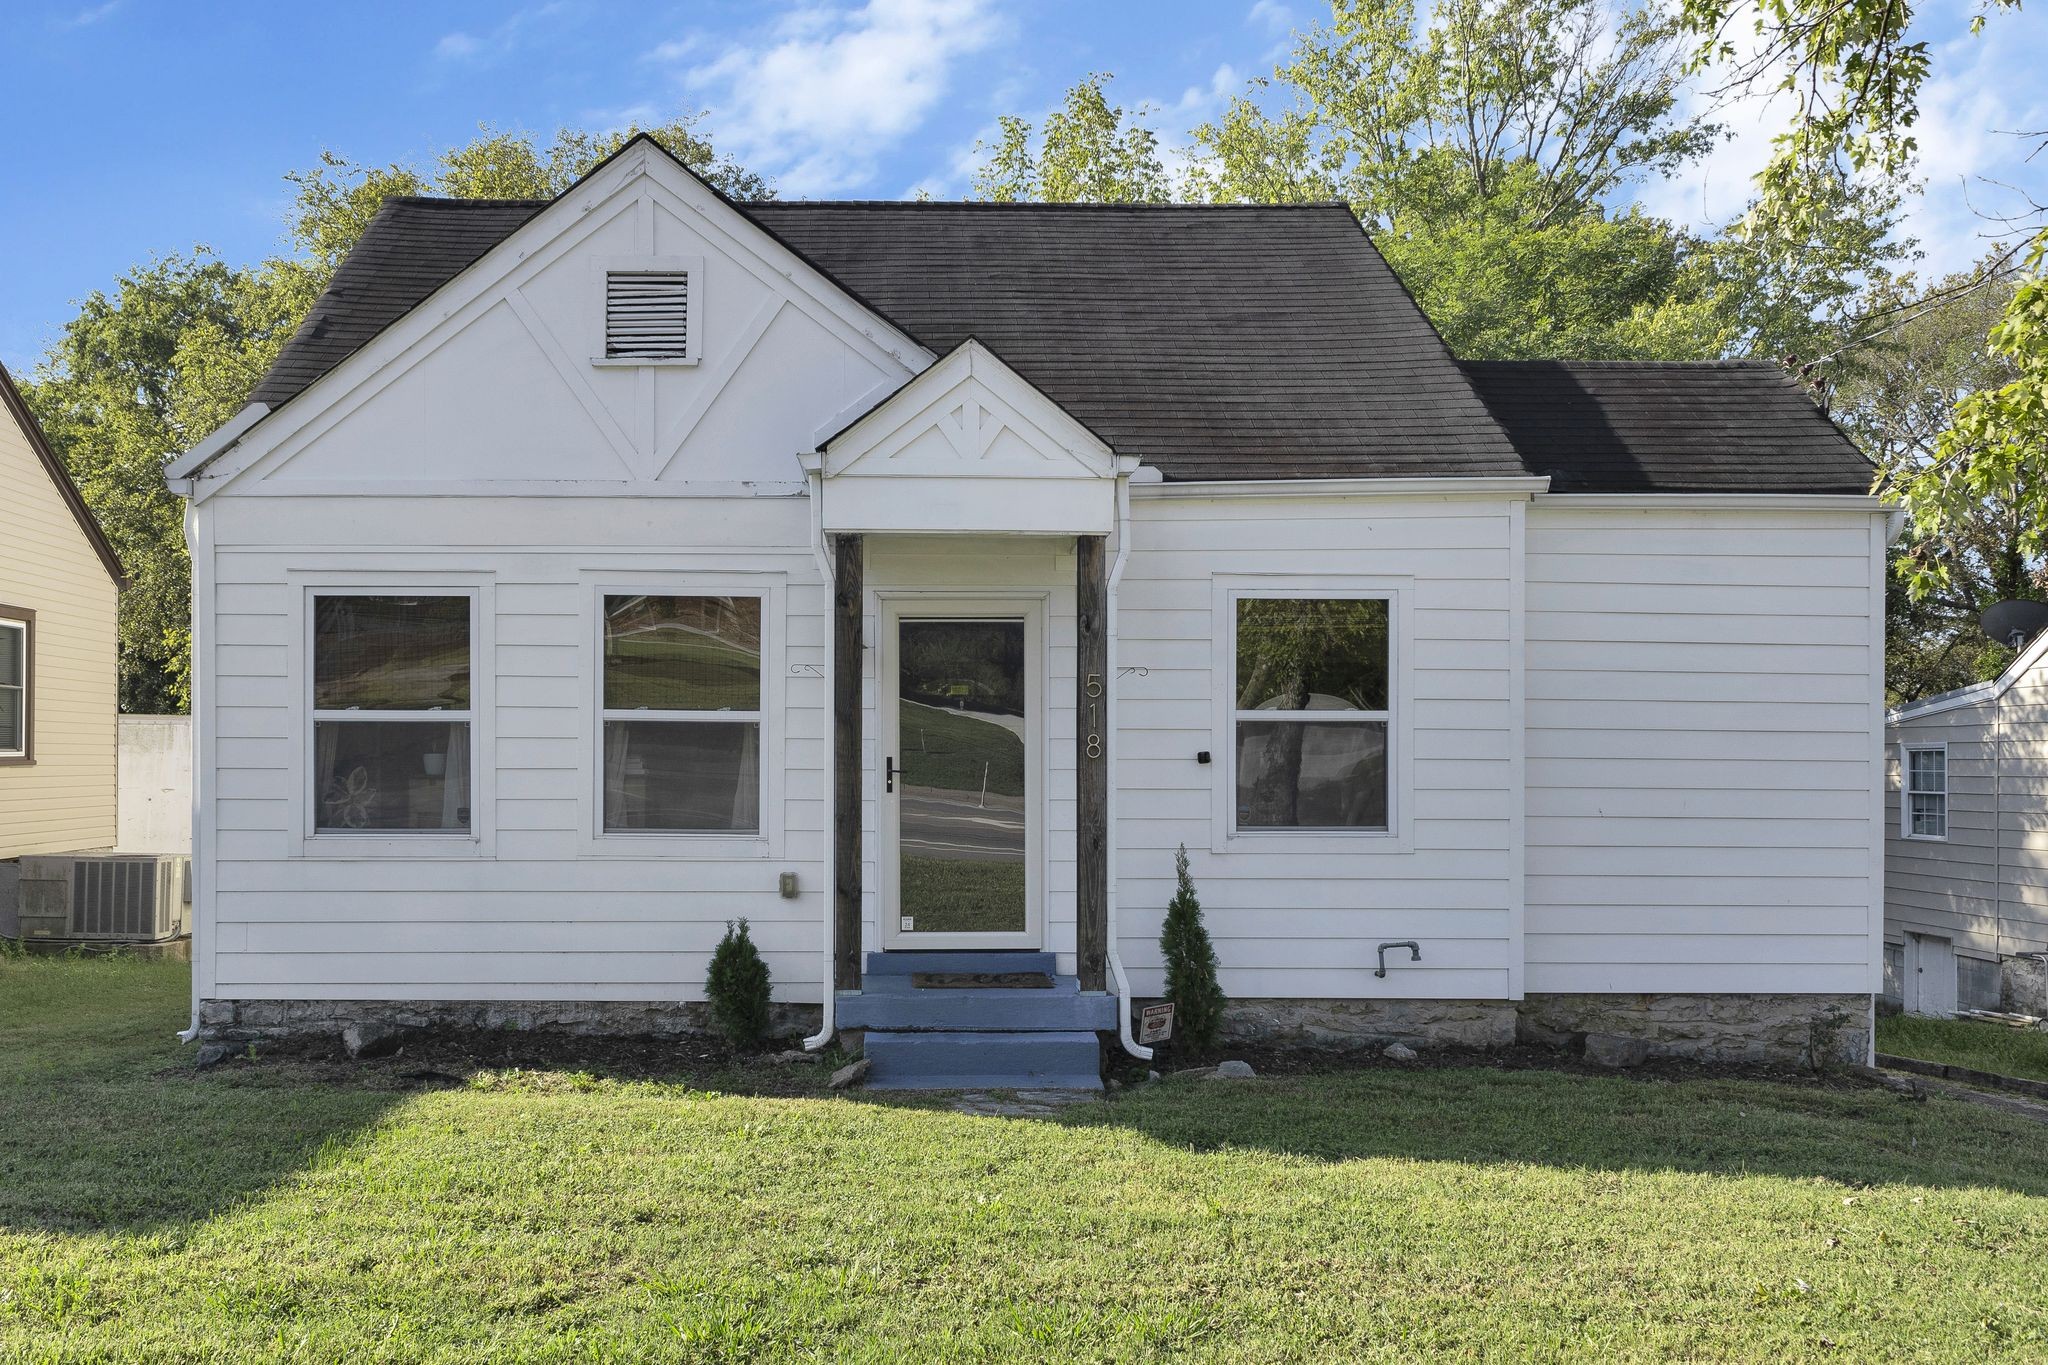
848 597
1091 761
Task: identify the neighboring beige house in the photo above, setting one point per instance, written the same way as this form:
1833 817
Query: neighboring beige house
1966 851
59 581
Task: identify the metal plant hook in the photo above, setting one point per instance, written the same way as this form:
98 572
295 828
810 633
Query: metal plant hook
1414 953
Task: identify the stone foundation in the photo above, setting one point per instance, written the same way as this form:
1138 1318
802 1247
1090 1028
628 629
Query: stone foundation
1368 1025
1776 1029
1786 1030
2023 984
243 1021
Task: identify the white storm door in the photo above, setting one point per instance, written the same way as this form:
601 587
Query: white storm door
961 774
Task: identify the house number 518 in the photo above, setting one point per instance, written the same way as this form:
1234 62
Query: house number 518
1092 745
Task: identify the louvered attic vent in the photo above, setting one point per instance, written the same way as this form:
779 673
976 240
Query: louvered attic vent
647 314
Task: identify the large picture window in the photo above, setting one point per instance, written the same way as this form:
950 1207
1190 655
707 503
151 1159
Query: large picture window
682 714
1927 793
1311 713
17 715
391 712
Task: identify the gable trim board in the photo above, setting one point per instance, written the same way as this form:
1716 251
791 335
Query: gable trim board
1989 690
32 432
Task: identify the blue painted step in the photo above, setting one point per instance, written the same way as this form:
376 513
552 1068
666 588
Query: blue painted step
891 1002
984 1061
903 964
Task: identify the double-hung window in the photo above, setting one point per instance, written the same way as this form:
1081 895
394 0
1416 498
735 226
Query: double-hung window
1312 713
17 630
682 714
392 712
1927 793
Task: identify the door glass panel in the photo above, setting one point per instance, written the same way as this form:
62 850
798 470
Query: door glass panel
960 788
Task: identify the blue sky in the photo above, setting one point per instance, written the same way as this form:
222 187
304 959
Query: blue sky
137 127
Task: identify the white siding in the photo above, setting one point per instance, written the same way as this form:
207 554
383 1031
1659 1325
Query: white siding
541 915
1702 754
1290 920
1985 887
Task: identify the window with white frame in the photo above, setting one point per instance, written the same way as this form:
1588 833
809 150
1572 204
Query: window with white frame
1312 712
681 701
392 712
16 716
1927 793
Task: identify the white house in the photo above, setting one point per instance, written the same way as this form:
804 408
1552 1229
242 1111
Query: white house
1966 878
915 579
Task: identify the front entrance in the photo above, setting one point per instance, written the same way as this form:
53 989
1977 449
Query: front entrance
961 760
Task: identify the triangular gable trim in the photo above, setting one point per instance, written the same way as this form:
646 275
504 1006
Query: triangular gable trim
39 442
264 431
1997 687
971 359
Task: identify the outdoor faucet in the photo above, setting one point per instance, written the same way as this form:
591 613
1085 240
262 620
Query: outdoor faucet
1414 953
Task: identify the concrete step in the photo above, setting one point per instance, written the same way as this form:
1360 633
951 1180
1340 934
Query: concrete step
904 963
983 1061
891 1003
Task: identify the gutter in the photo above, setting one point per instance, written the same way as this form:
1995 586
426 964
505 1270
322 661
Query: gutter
182 474
1116 962
828 994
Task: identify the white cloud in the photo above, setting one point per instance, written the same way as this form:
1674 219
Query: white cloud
1271 16
462 46
91 15
826 90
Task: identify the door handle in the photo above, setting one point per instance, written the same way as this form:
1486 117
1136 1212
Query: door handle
889 776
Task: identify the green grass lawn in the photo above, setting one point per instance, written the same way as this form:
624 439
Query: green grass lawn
1966 1042
295 1211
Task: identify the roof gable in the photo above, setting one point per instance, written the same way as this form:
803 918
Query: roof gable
968 445
32 432
497 374
2035 655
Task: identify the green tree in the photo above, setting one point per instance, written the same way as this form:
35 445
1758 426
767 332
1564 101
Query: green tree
1854 74
1191 985
154 365
1897 402
736 984
1089 152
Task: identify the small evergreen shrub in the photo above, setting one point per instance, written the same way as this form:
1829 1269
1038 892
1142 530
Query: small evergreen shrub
738 987
1190 965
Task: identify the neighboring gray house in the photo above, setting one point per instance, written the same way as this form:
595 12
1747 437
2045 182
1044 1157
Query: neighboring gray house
1966 851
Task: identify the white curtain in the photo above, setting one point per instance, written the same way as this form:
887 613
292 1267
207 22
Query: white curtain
455 813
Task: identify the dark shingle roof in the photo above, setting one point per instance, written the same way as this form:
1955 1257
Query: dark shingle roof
410 248
1216 342
1627 426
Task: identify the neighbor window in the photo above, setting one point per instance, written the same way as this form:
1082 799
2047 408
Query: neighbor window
391 712
1312 710
682 714
1927 793
16 713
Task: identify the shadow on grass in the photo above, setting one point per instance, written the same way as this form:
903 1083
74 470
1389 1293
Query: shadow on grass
1720 1125
103 1124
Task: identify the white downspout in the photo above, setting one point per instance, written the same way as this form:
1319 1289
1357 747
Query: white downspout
199 554
819 1040
1116 962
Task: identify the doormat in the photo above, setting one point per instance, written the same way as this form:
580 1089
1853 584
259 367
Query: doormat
981 981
